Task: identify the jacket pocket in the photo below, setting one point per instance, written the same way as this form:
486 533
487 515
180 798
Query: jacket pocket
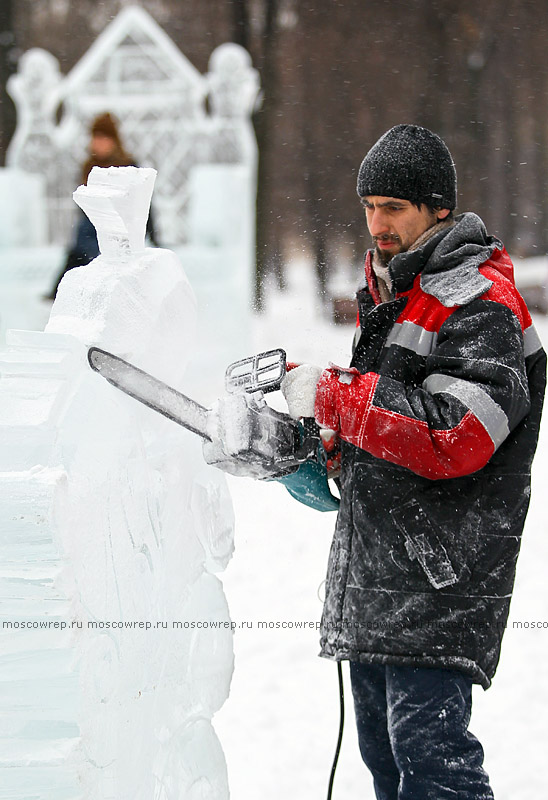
423 542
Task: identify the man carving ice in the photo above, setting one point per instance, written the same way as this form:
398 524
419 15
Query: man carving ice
438 419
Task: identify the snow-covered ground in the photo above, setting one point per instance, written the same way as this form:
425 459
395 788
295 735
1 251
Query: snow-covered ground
279 725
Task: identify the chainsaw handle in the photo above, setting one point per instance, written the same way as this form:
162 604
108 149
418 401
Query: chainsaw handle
311 427
308 451
262 372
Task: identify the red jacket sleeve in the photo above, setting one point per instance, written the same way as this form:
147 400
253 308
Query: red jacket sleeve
473 394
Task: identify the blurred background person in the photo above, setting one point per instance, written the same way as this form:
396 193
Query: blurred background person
106 149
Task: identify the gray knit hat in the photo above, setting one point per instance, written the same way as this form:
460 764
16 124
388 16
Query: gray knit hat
411 163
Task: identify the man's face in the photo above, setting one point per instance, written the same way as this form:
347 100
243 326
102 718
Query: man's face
396 224
102 145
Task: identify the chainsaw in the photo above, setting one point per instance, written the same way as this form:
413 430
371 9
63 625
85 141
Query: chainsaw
241 433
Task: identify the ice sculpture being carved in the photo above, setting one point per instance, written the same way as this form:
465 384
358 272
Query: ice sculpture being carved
111 532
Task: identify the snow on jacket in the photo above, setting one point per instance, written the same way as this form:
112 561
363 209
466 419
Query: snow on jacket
439 430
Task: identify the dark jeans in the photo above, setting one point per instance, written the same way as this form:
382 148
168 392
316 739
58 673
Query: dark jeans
413 733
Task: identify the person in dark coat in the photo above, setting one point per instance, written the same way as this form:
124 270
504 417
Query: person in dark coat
438 418
106 150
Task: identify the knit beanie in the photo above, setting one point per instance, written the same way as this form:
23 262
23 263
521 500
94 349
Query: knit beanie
410 163
105 125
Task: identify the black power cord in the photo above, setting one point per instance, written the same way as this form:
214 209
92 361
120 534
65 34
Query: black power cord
341 728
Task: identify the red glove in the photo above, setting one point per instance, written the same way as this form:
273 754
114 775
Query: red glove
329 406
332 446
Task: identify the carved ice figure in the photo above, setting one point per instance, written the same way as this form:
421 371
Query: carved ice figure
233 83
111 531
35 90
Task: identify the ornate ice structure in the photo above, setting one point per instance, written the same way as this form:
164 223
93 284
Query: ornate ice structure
115 637
194 129
134 70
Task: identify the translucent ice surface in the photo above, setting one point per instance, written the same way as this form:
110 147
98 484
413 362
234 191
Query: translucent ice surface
116 643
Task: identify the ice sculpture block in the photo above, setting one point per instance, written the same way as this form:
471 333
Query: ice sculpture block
116 643
118 204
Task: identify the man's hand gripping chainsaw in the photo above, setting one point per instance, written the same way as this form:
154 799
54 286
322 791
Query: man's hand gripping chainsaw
249 438
242 434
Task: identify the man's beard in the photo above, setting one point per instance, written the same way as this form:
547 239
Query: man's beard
383 255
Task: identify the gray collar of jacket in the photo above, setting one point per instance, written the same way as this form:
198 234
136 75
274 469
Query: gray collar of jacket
448 262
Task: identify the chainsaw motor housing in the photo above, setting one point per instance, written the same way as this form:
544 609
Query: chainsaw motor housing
248 437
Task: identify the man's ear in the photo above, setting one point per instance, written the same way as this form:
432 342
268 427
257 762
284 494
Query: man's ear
442 213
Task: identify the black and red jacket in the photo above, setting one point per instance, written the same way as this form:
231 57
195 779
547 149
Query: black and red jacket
439 430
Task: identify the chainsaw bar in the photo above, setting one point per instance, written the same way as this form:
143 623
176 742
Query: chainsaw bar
150 391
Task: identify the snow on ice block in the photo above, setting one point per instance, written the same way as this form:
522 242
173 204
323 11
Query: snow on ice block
119 650
117 308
